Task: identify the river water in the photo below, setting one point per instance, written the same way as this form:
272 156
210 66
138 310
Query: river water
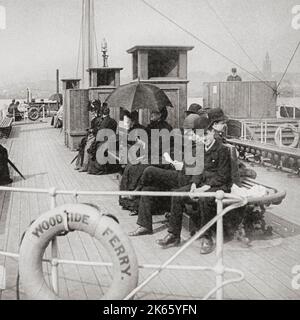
4 103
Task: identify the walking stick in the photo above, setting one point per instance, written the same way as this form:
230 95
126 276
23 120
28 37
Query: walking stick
16 169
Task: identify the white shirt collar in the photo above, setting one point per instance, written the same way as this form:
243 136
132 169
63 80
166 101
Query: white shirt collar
210 146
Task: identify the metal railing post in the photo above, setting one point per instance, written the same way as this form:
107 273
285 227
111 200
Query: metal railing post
242 131
219 269
43 114
54 248
280 136
266 131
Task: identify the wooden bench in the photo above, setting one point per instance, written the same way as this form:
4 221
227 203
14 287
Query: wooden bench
5 127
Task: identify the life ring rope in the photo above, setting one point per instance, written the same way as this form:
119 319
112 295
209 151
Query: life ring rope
295 130
85 218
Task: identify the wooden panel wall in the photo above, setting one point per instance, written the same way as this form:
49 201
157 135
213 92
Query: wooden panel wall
77 116
246 99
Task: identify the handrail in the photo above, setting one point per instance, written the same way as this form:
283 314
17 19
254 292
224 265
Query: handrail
234 202
264 125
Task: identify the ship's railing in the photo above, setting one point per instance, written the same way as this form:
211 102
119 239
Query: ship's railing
222 199
247 132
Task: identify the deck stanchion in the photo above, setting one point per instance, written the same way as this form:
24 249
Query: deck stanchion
280 137
54 248
261 132
43 114
219 268
75 195
266 131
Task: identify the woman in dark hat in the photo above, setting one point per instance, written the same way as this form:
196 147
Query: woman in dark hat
133 172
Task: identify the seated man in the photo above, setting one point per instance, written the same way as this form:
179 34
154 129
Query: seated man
158 179
216 176
217 116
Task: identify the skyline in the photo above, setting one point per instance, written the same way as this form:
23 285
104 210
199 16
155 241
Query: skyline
43 36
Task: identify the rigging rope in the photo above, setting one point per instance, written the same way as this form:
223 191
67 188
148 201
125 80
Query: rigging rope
83 42
232 35
204 43
95 33
80 41
286 69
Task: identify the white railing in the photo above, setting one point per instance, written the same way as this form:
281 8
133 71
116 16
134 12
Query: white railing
232 202
247 132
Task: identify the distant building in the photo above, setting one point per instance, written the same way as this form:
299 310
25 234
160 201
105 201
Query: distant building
267 67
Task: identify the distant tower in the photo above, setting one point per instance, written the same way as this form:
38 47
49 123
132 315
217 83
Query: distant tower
267 67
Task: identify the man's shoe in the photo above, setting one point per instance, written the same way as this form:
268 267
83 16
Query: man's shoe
140 231
170 240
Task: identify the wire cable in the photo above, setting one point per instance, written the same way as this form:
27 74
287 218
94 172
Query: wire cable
95 33
204 43
80 41
287 67
233 36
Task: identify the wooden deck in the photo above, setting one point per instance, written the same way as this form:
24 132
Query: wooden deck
39 153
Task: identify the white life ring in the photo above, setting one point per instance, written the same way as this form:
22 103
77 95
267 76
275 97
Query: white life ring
81 217
287 126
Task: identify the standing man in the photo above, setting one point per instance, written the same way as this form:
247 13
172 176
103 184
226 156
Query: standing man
234 76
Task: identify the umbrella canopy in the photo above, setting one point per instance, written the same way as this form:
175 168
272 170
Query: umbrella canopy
57 97
134 96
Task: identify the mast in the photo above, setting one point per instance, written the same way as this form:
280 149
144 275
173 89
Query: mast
87 44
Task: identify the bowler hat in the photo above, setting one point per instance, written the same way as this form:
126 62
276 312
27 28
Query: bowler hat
195 121
194 108
233 70
216 115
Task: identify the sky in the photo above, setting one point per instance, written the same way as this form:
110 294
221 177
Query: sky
43 35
